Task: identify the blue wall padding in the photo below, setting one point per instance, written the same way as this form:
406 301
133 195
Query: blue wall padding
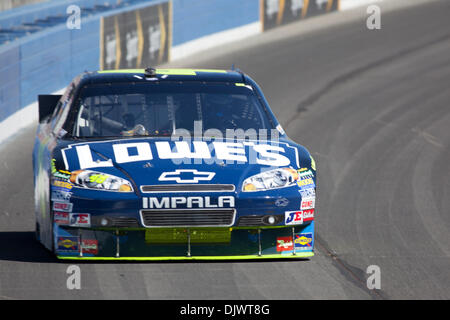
197 18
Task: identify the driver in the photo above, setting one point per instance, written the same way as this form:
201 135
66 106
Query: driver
131 128
219 113
129 121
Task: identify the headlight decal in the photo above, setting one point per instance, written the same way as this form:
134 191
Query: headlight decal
272 179
280 178
99 181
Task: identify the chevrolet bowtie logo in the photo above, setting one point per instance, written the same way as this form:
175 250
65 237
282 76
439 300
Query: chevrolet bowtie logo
180 176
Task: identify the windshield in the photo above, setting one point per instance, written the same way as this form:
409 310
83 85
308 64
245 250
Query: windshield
163 109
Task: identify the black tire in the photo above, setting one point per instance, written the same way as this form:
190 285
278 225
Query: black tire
37 232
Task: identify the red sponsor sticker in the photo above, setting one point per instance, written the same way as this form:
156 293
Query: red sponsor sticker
307 204
89 246
61 217
62 206
285 244
308 215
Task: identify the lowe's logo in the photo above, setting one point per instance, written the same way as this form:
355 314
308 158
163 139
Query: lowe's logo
249 152
187 202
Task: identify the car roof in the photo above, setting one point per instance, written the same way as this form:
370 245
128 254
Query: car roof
134 75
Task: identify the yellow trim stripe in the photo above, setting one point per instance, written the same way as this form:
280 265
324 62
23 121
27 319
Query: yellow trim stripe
183 72
244 257
210 70
122 71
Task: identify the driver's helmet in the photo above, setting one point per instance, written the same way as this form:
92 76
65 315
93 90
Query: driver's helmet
218 104
129 120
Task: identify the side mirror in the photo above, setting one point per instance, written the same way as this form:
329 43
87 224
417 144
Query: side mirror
47 104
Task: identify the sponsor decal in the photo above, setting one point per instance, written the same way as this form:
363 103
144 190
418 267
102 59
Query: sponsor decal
67 244
62 184
303 241
187 202
98 178
61 195
281 202
186 176
60 175
89 246
305 182
80 220
293 217
280 129
308 215
61 217
263 154
306 174
298 217
62 206
179 235
284 244
308 203
65 175
308 192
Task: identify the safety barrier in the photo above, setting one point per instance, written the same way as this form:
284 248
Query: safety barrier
275 13
33 12
10 4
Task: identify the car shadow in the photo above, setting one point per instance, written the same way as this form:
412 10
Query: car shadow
22 246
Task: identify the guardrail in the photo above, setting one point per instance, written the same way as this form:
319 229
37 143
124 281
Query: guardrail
135 36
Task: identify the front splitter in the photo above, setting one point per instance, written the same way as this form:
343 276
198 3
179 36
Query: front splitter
299 255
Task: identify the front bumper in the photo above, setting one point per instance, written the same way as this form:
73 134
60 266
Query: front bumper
184 243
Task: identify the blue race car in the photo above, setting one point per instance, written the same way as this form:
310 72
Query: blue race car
169 164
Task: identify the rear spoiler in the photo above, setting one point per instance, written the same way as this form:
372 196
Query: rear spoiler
47 104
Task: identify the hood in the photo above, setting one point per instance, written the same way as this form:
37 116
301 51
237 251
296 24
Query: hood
151 161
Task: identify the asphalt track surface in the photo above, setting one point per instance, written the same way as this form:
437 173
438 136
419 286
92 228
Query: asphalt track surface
371 106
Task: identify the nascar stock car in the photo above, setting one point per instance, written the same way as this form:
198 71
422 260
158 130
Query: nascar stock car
169 164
